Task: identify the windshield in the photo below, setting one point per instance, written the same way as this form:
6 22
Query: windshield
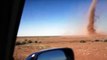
77 24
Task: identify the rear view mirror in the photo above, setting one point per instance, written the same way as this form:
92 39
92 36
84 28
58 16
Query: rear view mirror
53 54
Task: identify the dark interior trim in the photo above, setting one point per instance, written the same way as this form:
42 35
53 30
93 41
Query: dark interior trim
11 15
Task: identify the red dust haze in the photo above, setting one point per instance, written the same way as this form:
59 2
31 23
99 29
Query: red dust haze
91 21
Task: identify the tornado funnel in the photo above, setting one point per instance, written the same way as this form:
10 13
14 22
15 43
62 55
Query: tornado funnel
91 17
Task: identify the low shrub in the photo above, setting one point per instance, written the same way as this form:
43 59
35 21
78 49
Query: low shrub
105 40
29 41
25 39
18 43
23 43
36 41
97 40
82 41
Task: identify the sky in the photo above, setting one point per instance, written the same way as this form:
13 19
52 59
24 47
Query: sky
60 17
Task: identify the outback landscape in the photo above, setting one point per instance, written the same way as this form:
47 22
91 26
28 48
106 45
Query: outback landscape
85 48
93 46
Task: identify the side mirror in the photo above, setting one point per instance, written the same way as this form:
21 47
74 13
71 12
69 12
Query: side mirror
53 54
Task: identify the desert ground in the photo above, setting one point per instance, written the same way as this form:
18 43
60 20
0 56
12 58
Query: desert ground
85 48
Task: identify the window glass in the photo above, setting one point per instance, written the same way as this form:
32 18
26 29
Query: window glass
77 24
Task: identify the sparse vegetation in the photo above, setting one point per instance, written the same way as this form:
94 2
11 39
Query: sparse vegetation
36 41
24 42
18 43
25 39
29 41
82 41
105 40
97 40
83 46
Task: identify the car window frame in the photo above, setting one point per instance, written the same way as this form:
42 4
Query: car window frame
10 20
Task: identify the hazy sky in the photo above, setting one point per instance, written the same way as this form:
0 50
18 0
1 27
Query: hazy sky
60 17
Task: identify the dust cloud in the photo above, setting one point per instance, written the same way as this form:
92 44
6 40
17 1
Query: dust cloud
91 28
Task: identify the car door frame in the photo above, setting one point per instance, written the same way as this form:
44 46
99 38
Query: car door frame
9 23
